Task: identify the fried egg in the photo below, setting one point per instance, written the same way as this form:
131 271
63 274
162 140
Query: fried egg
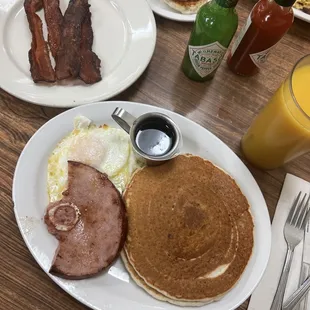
105 148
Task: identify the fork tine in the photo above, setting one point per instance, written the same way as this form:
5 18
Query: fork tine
293 235
299 209
293 209
301 219
305 220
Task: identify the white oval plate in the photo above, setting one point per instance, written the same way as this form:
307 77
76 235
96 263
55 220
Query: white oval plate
114 289
124 40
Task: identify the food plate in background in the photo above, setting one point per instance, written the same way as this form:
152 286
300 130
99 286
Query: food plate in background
162 9
124 40
301 15
114 289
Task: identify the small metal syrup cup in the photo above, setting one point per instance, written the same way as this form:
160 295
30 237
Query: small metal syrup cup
131 125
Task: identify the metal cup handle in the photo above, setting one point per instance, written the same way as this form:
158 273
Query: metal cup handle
123 119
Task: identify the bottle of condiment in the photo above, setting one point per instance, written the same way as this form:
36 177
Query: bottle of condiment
214 28
267 23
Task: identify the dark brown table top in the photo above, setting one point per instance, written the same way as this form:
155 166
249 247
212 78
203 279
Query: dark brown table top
225 106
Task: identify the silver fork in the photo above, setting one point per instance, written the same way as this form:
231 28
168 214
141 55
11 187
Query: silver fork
293 233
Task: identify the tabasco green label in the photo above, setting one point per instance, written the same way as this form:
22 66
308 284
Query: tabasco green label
206 58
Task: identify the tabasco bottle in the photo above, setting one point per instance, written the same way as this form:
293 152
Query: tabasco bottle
267 23
215 25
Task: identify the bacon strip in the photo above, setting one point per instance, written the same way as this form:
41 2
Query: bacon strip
54 20
90 63
40 64
68 59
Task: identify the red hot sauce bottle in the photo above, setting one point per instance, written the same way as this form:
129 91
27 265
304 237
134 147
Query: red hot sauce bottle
267 23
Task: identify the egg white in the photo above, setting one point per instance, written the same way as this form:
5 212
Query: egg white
105 148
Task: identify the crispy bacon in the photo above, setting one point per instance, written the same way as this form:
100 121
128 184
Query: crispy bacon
54 20
32 6
68 59
40 64
90 63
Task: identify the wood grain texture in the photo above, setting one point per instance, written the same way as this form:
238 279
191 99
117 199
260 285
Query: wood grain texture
225 106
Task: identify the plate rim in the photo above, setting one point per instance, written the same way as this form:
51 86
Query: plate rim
267 232
30 98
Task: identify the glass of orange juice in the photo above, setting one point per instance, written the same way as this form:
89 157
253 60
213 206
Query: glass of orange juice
281 131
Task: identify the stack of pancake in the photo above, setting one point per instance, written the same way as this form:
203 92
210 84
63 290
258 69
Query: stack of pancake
186 6
190 231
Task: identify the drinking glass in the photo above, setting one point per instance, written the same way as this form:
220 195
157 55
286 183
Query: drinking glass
281 131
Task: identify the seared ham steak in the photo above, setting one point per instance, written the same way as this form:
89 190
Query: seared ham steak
89 222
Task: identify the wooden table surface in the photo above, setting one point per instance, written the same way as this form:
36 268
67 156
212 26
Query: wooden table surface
225 106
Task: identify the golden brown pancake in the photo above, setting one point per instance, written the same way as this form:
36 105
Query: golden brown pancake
190 231
186 6
140 282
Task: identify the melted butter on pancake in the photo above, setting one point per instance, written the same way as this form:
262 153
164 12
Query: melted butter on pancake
190 231
217 272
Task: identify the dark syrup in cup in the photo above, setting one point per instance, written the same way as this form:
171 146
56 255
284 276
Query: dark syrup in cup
155 137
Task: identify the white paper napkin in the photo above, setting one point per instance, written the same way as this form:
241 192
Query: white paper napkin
264 293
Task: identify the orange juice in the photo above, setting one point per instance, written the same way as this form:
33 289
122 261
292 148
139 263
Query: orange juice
281 132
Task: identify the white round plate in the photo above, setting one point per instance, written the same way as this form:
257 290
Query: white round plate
302 15
124 40
161 8
114 289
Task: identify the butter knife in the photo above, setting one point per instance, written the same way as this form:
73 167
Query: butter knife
305 267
